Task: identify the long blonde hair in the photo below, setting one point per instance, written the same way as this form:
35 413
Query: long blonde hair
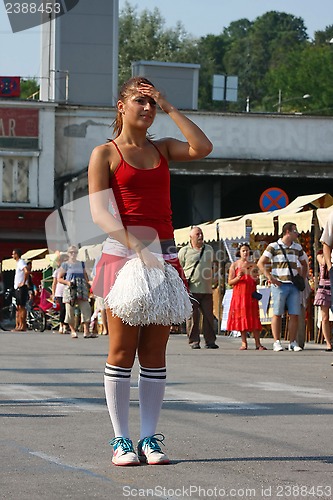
126 90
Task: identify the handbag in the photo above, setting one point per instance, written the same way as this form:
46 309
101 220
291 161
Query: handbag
297 280
256 295
77 290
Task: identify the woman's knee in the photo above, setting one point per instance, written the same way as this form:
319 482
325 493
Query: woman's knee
324 315
122 358
152 347
123 342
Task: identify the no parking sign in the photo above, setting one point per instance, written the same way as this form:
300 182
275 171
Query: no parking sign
273 199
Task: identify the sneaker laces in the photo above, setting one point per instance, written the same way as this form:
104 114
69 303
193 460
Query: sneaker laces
152 442
124 443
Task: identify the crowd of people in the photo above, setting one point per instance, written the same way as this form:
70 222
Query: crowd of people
70 292
131 173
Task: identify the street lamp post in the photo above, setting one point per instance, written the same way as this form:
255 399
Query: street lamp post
279 103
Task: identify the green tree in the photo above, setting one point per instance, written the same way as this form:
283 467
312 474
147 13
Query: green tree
325 36
144 37
28 88
211 50
271 53
248 50
305 72
265 45
238 60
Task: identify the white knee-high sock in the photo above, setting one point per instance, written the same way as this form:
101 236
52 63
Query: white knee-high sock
151 392
117 384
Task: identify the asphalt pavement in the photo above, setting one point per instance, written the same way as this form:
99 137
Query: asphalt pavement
237 424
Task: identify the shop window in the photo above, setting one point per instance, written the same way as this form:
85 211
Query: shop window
15 180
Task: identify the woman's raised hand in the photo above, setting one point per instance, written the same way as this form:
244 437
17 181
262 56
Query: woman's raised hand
150 91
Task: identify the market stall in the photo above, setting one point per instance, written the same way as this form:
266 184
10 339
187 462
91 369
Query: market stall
309 212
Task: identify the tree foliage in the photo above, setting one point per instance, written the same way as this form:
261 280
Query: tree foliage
271 56
144 37
28 88
324 37
260 46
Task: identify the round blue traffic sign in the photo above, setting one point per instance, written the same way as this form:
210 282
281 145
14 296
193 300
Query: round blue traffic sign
273 199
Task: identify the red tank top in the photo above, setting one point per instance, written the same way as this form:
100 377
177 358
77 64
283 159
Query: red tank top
143 195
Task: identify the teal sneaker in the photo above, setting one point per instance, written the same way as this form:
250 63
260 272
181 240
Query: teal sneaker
149 450
123 452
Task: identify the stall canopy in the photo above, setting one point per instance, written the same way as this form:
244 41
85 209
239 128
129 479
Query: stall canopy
322 215
301 211
38 264
263 223
182 235
89 252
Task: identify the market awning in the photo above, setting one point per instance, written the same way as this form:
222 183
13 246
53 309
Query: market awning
303 220
219 226
42 264
321 200
231 229
322 215
182 236
8 265
32 254
37 264
263 222
90 252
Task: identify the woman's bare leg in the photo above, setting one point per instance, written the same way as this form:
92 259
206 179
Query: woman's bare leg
326 326
244 341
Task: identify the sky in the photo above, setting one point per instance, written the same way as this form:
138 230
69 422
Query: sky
20 52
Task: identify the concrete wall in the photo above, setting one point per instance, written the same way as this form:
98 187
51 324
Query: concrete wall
242 137
178 81
261 136
46 171
83 44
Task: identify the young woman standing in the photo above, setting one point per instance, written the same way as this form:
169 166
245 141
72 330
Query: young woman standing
133 170
244 309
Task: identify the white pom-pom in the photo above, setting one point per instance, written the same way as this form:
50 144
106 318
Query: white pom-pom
144 296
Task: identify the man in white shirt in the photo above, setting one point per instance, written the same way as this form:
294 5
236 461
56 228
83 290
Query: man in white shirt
273 264
21 290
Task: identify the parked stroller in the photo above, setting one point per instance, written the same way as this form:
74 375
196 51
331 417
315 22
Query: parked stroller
51 310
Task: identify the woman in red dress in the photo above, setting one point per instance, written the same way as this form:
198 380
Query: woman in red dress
244 308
